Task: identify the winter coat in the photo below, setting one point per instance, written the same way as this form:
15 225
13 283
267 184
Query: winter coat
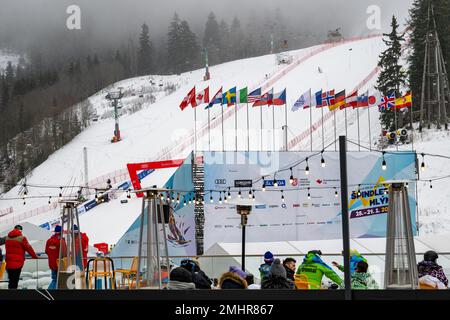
201 280
16 246
314 268
2 242
363 281
354 259
433 269
264 270
177 285
290 274
230 280
276 282
84 246
52 250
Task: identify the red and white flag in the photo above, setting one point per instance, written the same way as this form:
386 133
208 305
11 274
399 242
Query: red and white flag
189 99
352 101
202 97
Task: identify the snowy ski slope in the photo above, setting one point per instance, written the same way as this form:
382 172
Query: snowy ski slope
161 131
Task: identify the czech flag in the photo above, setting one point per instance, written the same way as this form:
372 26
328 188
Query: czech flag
278 98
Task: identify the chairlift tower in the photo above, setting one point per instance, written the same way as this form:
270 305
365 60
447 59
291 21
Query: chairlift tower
401 267
152 217
207 74
435 93
115 97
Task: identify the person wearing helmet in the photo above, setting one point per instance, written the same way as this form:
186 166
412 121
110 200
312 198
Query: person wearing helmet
52 249
314 269
429 268
16 247
84 246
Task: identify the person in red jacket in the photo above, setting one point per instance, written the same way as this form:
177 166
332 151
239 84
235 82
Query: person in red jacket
84 246
16 245
52 249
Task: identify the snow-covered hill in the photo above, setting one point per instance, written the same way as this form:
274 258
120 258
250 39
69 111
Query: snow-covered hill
159 130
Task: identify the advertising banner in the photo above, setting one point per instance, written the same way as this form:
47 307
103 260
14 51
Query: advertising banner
309 208
180 228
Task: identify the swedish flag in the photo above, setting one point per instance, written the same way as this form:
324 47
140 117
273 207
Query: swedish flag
229 97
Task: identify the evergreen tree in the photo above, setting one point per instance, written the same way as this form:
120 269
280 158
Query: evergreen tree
212 39
392 77
174 56
145 52
237 40
189 47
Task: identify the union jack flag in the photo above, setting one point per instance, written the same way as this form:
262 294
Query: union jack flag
387 103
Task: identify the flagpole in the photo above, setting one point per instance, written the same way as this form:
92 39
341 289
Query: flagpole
209 130
359 137
248 130
395 123
346 129
195 130
370 132
323 131
223 135
335 130
310 119
261 141
235 124
412 128
285 122
273 130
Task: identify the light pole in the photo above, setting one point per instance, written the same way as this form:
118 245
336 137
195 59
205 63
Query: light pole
115 97
243 208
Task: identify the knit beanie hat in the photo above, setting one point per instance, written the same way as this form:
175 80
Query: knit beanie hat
238 271
58 229
180 274
277 269
268 257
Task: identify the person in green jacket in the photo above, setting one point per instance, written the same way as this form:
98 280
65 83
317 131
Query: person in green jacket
355 257
361 279
314 268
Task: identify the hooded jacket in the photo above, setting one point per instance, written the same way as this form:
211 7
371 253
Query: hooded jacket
355 257
433 269
16 246
277 278
230 280
363 281
84 246
52 250
314 268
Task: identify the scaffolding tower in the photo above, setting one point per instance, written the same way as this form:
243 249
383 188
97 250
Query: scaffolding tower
435 95
198 179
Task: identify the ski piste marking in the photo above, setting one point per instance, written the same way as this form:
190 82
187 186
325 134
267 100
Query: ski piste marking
122 174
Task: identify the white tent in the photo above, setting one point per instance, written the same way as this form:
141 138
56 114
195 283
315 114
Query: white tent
219 257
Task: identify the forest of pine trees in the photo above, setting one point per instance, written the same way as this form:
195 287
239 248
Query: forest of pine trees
38 94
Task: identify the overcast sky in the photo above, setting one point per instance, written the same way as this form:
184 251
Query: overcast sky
25 20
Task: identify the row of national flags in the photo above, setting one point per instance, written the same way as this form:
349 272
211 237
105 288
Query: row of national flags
340 100
320 99
233 97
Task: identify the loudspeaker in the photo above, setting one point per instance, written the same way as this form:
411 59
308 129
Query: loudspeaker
391 135
166 213
403 133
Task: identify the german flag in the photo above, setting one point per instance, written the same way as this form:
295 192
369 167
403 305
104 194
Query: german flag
339 100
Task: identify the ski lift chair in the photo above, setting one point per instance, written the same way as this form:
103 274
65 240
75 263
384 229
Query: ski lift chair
129 275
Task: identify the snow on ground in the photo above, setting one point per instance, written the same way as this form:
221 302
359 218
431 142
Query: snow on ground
160 128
